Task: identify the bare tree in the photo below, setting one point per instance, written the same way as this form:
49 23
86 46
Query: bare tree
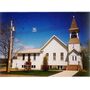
6 40
7 43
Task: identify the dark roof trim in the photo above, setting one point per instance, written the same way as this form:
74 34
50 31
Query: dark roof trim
78 53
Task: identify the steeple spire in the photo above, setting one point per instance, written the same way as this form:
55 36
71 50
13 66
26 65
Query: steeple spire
74 26
74 38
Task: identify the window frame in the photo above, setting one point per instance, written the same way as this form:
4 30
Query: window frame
34 66
62 56
54 56
29 56
34 56
23 56
75 58
72 58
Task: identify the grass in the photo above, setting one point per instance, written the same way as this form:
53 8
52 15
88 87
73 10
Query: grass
82 73
32 73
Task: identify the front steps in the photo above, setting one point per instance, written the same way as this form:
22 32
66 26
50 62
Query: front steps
73 67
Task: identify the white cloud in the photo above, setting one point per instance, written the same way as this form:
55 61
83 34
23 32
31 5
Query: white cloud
34 29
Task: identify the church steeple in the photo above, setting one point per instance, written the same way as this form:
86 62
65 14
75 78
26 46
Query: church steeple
74 47
74 38
74 26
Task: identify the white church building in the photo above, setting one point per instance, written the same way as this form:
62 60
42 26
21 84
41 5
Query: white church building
60 55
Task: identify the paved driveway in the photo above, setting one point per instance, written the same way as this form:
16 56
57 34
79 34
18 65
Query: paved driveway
64 74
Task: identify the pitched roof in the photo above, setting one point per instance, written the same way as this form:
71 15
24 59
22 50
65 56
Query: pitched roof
32 50
39 50
74 26
78 53
57 39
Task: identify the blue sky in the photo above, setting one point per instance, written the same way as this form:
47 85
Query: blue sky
33 29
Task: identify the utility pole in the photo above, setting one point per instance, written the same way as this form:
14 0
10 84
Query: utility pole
10 47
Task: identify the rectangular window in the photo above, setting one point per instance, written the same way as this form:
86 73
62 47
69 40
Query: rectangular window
23 57
22 66
62 56
54 56
34 56
33 66
28 56
73 58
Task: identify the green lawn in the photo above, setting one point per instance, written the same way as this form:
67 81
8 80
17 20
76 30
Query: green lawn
83 73
32 73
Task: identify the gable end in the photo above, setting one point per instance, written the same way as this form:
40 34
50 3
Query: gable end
56 39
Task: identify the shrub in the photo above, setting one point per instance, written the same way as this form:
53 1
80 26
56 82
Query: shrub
45 66
27 65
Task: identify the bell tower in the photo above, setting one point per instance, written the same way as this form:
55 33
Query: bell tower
74 42
74 48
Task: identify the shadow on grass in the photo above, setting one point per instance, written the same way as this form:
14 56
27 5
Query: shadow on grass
31 73
82 73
